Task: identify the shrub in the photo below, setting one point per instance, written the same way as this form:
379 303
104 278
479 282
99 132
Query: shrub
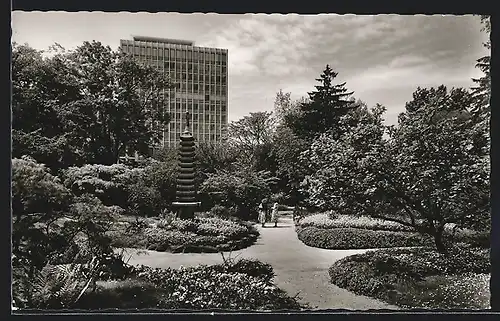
38 201
467 291
144 191
254 268
242 189
219 211
207 287
100 181
399 276
354 238
126 294
162 177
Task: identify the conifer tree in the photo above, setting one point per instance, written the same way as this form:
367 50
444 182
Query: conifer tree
324 110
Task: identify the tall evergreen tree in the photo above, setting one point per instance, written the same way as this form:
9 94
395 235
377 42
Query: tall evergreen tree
326 107
482 91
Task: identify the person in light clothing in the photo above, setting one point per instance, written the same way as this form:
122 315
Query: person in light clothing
262 214
274 214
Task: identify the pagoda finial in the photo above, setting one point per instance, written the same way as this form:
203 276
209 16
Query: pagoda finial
188 118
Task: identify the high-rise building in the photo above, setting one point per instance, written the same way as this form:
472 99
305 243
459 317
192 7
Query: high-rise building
201 78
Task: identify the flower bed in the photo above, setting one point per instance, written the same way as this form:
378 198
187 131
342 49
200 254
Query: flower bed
417 278
241 285
206 235
357 238
320 230
322 220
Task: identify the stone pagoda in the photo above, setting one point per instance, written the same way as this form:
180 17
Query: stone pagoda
185 202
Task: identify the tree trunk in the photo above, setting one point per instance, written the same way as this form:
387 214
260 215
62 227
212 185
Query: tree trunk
438 240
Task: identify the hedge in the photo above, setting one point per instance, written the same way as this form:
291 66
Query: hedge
355 238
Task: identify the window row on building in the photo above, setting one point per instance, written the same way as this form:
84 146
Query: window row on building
177 54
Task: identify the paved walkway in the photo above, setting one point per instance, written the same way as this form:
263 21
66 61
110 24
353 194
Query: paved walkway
299 269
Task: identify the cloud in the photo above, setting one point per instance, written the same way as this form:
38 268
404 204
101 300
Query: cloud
382 58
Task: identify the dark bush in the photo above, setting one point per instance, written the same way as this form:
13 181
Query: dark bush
354 238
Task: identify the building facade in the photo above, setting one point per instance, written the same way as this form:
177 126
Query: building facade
201 79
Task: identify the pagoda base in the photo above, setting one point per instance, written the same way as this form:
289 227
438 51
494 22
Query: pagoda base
185 210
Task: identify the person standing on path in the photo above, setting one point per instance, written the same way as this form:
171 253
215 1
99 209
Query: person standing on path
262 213
275 214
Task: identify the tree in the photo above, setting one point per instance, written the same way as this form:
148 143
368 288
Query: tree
39 86
327 104
482 91
252 136
282 105
122 102
241 189
84 106
335 180
287 147
433 169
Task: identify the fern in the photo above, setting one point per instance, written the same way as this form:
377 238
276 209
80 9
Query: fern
61 286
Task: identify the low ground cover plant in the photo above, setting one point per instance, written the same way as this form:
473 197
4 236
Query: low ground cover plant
202 234
328 220
418 278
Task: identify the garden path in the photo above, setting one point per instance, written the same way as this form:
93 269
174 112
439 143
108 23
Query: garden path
299 269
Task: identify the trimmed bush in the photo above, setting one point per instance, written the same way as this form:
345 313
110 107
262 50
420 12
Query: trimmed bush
326 221
452 234
355 238
201 235
203 287
406 276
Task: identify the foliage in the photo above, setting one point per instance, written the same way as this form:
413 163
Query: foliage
407 277
290 168
482 91
252 137
335 182
220 211
61 286
357 238
108 183
242 189
155 190
51 226
38 201
433 170
90 92
211 157
327 104
142 191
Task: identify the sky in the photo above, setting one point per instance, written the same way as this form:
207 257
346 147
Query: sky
382 58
